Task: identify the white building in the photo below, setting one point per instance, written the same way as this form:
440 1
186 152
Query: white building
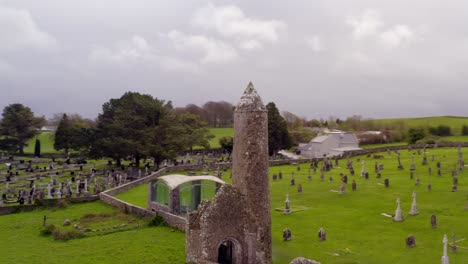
330 144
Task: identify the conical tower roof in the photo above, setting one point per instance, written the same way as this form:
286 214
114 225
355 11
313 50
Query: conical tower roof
250 100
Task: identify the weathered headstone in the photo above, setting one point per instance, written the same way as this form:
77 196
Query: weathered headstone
398 213
322 234
453 246
286 234
387 182
299 188
433 221
354 186
342 188
410 242
287 205
414 208
429 187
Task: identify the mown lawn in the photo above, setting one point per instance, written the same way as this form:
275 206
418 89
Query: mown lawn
21 241
356 230
47 143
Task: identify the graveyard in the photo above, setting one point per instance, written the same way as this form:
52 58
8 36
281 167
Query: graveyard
359 224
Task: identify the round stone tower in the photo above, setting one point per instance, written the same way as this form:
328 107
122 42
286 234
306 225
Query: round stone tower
250 165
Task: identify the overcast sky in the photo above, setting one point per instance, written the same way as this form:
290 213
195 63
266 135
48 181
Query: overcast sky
318 58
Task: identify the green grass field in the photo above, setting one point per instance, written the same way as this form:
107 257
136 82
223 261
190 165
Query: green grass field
219 133
22 243
356 230
47 143
454 122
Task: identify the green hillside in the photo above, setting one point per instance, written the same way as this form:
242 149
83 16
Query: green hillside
454 122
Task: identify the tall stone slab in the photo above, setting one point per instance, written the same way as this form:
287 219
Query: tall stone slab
250 165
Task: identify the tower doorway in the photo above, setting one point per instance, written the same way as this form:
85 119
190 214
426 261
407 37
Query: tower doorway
226 252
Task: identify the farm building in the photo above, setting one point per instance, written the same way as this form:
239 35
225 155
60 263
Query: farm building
329 144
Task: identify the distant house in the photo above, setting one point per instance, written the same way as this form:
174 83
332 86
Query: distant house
330 144
49 128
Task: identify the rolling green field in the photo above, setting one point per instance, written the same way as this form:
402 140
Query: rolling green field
454 122
356 230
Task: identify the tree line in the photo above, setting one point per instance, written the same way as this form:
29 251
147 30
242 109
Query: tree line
135 126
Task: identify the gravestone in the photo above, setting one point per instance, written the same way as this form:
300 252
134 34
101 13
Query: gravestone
322 234
387 183
433 221
430 171
286 234
280 175
429 187
417 182
342 188
414 209
287 205
454 188
293 182
299 188
411 175
453 246
398 213
410 242
354 186
445 258
275 177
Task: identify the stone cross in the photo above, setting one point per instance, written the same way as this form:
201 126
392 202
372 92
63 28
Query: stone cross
77 187
59 193
49 191
414 209
398 213
445 258
363 169
287 206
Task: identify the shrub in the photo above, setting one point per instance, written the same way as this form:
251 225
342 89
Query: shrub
415 134
441 131
464 131
430 140
48 230
67 235
157 221
61 203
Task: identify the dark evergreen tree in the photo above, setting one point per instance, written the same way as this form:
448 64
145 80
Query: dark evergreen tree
19 123
63 135
37 148
278 135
